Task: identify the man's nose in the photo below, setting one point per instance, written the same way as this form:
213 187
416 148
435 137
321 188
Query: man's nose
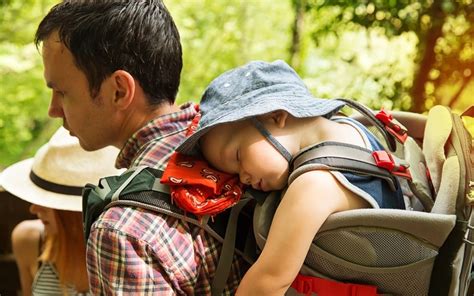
55 107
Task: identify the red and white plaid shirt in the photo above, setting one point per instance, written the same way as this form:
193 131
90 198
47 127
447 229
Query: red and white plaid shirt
135 251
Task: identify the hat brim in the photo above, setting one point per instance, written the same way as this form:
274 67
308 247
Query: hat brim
16 180
307 106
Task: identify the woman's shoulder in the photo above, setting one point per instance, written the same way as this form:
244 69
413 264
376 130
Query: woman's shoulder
26 238
28 231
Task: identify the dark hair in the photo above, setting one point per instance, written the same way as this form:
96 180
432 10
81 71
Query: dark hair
138 36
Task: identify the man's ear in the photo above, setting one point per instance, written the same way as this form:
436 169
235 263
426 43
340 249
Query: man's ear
124 88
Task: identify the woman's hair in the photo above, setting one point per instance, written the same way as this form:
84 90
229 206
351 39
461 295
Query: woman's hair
67 250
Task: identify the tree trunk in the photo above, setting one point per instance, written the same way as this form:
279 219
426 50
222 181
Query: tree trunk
297 29
457 95
428 58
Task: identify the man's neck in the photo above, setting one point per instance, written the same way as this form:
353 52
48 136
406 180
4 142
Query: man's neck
138 117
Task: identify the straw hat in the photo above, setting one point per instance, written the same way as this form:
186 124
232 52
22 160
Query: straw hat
54 178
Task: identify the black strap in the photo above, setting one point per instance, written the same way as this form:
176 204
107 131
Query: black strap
54 187
271 139
441 276
227 252
390 139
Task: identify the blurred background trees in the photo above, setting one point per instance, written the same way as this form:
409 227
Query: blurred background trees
404 54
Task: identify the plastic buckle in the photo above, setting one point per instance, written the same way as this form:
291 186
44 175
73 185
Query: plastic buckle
469 228
384 160
395 129
303 285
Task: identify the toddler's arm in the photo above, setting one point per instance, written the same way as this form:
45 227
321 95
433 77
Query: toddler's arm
309 200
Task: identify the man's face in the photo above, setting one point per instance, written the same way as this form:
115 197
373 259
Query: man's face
89 119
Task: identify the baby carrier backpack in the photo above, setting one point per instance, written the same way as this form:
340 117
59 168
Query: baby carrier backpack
425 251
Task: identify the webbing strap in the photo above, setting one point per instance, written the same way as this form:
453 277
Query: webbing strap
442 273
333 149
375 122
271 139
308 285
340 157
227 251
116 194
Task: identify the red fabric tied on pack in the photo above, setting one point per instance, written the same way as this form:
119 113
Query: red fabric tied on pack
199 189
196 187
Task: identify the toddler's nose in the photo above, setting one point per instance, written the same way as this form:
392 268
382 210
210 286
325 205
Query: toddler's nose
245 178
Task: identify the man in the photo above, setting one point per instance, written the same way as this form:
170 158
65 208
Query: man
114 69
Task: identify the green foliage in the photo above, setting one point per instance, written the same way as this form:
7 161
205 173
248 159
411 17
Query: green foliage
23 95
444 47
216 36
220 34
19 19
376 51
363 65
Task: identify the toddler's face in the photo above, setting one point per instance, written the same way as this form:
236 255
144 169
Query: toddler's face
47 217
239 148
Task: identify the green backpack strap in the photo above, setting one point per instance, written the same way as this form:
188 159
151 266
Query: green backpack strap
95 198
141 187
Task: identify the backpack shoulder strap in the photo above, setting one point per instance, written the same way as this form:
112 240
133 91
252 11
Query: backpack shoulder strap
141 187
389 127
348 158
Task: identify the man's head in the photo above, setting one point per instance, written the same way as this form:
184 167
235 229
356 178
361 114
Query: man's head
103 36
100 55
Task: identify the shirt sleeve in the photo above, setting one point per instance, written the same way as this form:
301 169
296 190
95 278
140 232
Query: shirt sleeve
123 265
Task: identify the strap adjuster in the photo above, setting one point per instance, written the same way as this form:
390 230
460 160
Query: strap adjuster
384 160
392 126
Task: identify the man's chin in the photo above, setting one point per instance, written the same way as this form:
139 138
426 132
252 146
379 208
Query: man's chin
68 129
87 147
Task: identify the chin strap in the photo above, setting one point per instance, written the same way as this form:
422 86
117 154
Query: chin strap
271 139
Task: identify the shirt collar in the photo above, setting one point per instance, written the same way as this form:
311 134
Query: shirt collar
156 128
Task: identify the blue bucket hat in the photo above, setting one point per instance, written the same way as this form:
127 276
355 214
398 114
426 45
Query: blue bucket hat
254 89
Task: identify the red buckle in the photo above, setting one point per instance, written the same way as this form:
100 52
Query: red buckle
399 132
303 284
383 159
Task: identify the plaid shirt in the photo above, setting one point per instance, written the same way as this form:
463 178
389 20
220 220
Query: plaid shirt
140 252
